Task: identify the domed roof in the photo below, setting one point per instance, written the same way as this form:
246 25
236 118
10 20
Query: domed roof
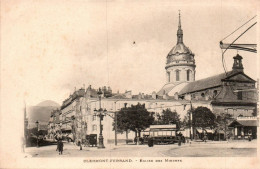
180 48
180 52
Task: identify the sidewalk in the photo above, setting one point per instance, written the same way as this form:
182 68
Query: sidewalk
229 143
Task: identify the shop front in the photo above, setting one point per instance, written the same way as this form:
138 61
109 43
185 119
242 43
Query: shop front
244 128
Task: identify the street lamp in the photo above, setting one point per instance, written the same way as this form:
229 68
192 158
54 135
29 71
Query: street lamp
190 120
37 125
115 120
100 114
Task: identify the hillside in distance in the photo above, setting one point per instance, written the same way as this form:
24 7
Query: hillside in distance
41 112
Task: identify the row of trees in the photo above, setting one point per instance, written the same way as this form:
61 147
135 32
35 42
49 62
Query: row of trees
136 118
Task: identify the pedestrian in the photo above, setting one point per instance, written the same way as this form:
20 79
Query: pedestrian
205 138
183 139
79 144
179 138
60 146
150 142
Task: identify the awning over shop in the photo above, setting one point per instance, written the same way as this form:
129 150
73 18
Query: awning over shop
249 123
147 130
209 131
199 130
220 132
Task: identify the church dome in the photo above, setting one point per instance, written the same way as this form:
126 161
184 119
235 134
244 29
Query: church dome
180 52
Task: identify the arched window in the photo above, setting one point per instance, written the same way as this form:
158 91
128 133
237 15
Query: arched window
168 77
177 75
188 75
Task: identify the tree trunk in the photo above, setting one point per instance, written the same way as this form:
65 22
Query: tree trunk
126 134
136 136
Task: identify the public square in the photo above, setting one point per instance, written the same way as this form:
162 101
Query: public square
241 148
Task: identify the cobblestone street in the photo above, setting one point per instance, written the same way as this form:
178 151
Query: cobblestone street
193 149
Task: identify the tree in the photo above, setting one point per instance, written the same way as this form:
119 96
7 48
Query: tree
169 117
203 117
186 121
135 118
222 121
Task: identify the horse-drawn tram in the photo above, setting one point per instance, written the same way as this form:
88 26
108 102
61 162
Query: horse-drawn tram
161 134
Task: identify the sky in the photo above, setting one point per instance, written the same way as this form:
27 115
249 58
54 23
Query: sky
51 47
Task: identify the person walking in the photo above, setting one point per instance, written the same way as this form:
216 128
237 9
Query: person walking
60 146
179 138
80 144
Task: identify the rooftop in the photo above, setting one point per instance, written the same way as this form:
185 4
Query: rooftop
202 84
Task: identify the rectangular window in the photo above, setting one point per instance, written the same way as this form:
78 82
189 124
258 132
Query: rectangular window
177 75
168 76
239 95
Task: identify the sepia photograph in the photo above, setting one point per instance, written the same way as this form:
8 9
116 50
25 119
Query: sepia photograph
129 84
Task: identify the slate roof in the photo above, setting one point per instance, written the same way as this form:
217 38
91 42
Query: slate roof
166 88
180 52
206 83
226 95
118 96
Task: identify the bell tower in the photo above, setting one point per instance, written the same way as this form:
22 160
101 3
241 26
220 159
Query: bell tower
237 65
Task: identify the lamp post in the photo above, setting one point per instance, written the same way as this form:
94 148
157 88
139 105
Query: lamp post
190 121
100 114
37 125
115 119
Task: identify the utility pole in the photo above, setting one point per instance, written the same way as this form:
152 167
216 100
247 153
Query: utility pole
37 125
191 128
115 128
115 120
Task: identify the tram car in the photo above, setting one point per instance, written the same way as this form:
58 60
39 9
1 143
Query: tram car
161 134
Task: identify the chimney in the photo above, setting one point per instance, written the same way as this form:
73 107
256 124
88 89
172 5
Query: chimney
154 95
142 95
237 65
139 96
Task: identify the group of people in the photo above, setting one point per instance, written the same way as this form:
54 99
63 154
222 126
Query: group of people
60 144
